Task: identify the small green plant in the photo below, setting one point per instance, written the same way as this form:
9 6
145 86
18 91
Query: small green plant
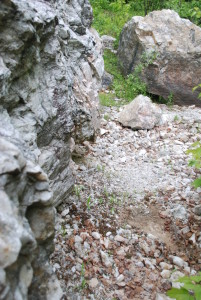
89 203
106 117
197 87
170 99
83 280
100 200
147 58
176 118
112 211
113 199
63 231
195 151
106 192
190 289
78 189
100 168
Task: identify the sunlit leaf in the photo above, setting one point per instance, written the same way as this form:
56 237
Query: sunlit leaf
197 182
179 294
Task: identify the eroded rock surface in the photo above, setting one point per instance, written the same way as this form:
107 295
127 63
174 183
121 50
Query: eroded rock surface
50 72
27 225
177 43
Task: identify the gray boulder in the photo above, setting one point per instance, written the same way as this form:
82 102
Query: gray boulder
107 80
177 43
108 42
141 113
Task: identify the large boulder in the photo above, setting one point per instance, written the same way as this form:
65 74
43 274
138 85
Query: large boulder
51 67
177 45
141 113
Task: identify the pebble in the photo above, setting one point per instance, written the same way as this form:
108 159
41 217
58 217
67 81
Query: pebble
78 239
139 264
166 274
178 261
96 235
162 297
120 278
197 210
148 264
93 283
108 233
192 239
185 230
176 275
105 259
119 238
187 270
165 266
179 212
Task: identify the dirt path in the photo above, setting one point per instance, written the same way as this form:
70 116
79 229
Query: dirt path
130 228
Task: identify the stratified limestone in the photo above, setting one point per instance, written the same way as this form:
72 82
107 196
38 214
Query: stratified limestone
50 73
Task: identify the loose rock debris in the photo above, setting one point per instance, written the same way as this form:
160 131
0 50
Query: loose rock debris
133 224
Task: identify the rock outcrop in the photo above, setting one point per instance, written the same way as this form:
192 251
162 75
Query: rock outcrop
108 42
141 113
177 43
50 72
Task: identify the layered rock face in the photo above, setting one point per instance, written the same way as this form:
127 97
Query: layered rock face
177 44
50 72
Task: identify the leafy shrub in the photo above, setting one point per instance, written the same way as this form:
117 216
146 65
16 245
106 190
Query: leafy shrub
190 290
195 151
128 87
110 16
197 87
196 15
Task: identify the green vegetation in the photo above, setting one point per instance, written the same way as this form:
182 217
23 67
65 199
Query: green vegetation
106 117
195 151
176 118
78 189
83 283
89 203
111 15
63 231
125 88
83 280
108 99
190 289
170 99
198 87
